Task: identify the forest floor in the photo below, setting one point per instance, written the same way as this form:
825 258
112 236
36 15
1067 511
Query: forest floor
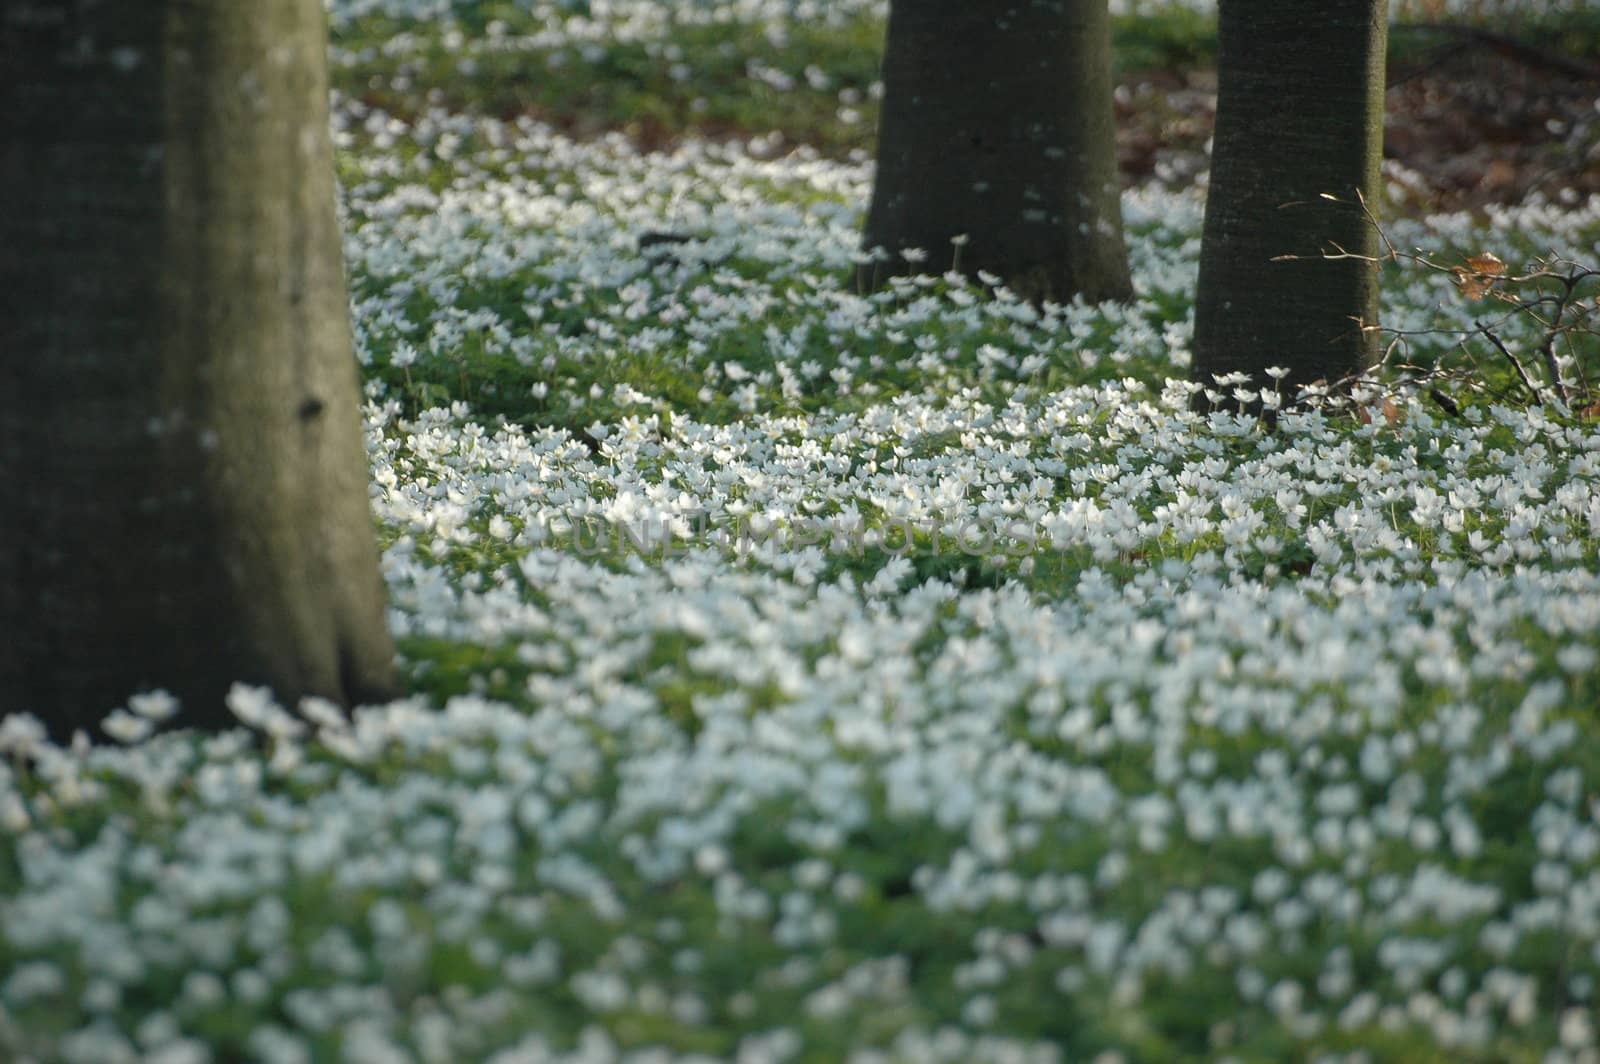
1478 112
1471 123
801 675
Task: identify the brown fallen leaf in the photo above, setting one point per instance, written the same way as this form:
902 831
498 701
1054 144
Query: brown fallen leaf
1473 286
1487 263
1391 413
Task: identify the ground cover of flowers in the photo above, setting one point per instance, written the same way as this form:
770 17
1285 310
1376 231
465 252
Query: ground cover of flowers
804 675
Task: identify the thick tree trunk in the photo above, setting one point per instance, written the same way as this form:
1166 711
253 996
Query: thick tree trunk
997 126
1299 119
182 476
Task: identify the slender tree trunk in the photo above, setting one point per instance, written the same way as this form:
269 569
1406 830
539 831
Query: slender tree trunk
997 127
1299 119
182 476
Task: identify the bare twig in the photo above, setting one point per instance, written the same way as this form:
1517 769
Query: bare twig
1557 326
1561 317
1445 403
1522 371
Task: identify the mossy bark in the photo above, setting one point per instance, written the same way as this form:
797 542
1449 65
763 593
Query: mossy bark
182 473
997 127
1299 120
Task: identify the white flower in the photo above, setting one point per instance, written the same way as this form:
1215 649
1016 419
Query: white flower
154 705
124 727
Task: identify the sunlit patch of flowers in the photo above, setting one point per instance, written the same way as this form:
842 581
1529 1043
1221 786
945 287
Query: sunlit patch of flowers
589 280
804 674
1159 805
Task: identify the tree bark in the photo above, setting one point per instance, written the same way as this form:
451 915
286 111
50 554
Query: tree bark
1299 119
997 126
181 462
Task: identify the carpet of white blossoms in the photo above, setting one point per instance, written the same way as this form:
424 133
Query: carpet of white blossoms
810 676
574 19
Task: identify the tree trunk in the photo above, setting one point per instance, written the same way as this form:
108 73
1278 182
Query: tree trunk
997 126
181 462
1299 118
